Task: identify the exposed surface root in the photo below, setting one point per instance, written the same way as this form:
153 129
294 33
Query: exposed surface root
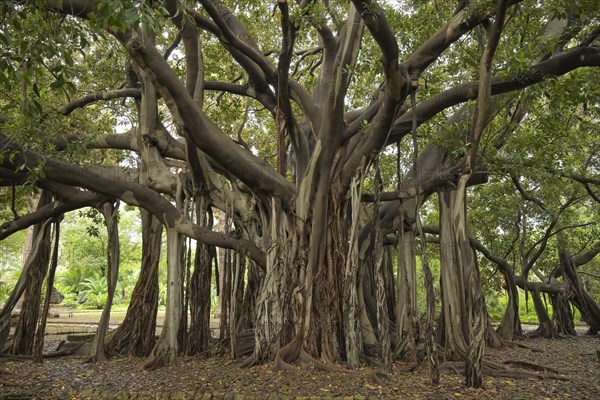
490 369
531 366
249 362
379 377
517 343
543 333
370 361
287 355
307 358
52 354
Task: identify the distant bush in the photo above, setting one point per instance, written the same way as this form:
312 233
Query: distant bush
5 290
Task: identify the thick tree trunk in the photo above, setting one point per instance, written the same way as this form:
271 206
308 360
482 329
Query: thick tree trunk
510 326
29 239
224 268
462 298
167 347
186 261
546 329
24 335
225 292
382 309
110 213
136 334
562 316
237 296
480 330
248 309
351 313
19 288
455 305
200 333
589 309
274 321
406 308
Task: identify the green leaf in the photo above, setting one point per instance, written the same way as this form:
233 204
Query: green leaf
58 83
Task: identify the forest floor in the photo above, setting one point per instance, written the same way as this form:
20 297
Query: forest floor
70 377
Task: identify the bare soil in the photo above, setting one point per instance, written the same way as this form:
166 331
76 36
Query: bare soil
220 378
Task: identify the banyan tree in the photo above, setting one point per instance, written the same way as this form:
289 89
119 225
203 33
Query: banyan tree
289 151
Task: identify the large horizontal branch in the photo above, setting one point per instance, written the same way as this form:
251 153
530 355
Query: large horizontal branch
587 256
408 190
168 146
545 287
104 95
136 93
556 66
70 199
553 287
576 177
131 193
503 264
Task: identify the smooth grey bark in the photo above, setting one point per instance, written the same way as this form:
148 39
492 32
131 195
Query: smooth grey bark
166 350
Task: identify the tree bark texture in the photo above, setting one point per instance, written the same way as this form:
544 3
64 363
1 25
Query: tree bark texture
166 349
38 346
136 335
24 335
111 218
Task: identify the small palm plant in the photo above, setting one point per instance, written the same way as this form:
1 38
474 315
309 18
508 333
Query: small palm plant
95 291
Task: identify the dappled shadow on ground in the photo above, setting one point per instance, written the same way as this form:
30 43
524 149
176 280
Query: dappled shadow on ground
70 377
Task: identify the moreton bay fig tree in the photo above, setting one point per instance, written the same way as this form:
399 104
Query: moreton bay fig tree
317 158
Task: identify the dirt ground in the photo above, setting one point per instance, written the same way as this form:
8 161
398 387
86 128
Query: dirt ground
217 378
